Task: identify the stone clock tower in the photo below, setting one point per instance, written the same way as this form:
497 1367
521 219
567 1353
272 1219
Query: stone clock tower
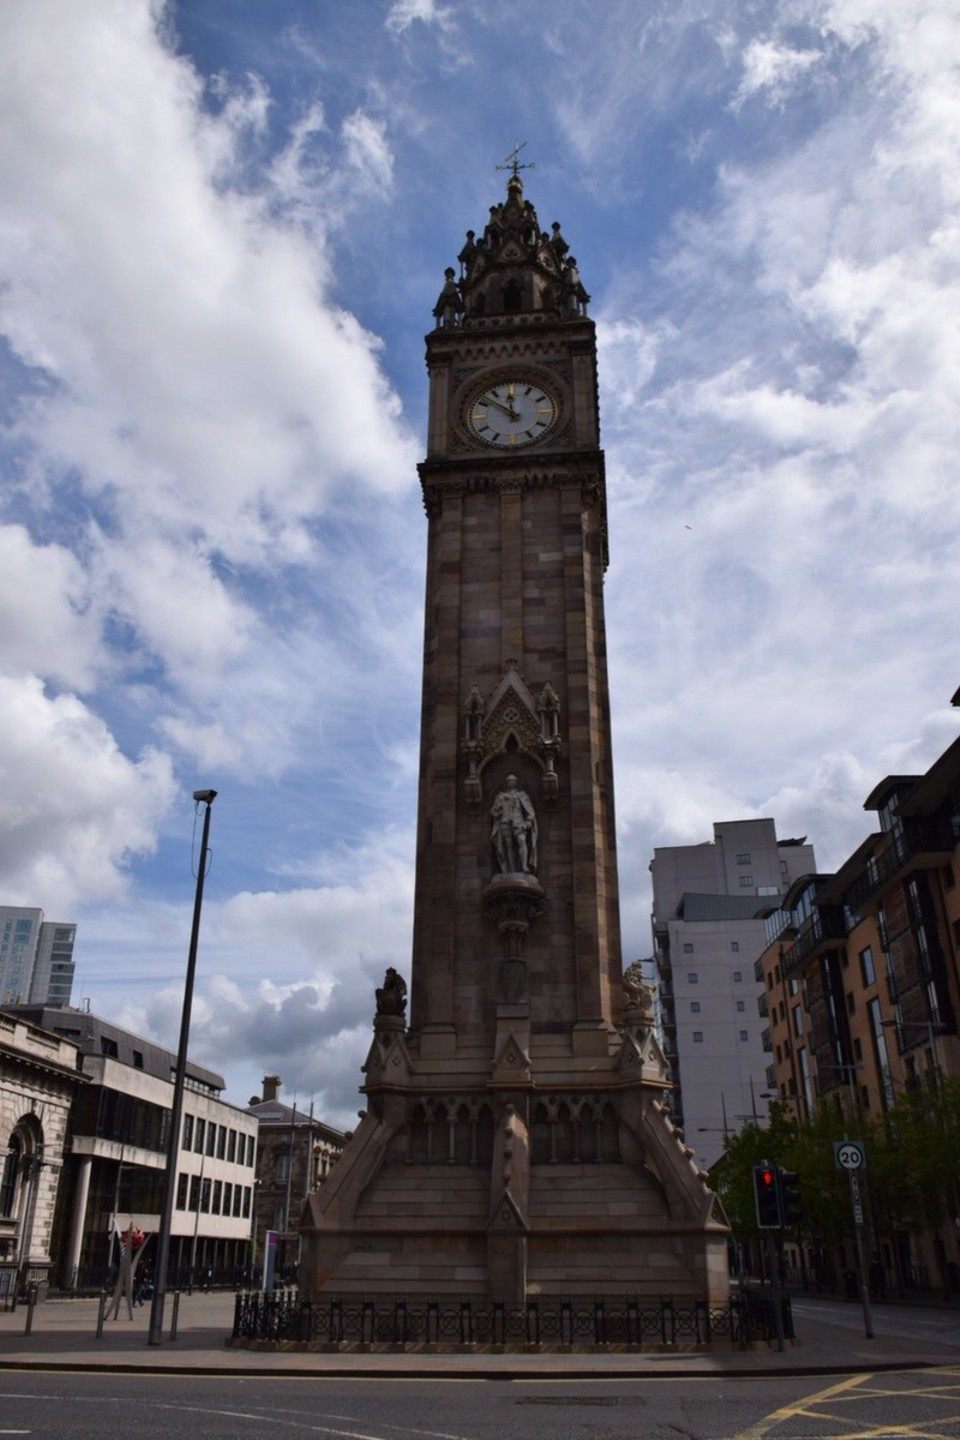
516 1142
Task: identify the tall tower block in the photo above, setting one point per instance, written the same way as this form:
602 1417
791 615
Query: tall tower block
515 1140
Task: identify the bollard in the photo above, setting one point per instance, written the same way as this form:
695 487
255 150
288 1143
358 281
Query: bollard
175 1316
31 1303
100 1314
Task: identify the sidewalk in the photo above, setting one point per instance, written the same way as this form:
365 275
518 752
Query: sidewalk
64 1338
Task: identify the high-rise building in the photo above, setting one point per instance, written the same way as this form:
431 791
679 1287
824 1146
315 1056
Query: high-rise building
36 958
515 1141
708 906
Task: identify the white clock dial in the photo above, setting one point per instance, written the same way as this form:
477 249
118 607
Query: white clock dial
511 413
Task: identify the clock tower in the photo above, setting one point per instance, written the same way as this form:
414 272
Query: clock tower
516 1140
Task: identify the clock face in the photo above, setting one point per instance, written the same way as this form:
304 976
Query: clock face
511 413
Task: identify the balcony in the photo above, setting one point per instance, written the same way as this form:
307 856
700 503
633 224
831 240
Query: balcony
826 927
915 844
767 1039
763 1004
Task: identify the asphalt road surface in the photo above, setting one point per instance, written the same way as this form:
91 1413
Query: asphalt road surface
907 1405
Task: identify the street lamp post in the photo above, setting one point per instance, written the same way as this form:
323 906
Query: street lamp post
155 1335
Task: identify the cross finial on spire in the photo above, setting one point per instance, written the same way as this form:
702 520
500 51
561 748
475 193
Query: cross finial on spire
511 162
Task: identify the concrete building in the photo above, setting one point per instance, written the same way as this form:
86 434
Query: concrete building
708 902
295 1154
515 1142
36 958
39 1081
115 1163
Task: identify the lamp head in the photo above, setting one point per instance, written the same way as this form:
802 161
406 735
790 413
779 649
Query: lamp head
204 797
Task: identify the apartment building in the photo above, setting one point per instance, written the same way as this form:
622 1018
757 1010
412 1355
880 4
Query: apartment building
36 957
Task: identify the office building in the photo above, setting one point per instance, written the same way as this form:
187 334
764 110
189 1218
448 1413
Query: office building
36 958
708 902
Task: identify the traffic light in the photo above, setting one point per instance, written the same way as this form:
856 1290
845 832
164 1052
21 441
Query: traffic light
790 1207
766 1195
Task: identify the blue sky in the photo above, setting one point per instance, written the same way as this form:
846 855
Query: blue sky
223 227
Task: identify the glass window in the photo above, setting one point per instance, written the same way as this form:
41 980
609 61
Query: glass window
738 977
741 1005
232 1147
283 1166
735 946
182 1183
217 1195
867 967
246 1202
744 858
797 1013
199 1135
698 1037
227 1197
211 1138
746 882
187 1132
744 1034
205 1197
692 978
221 1141
695 1007
194 1191
688 948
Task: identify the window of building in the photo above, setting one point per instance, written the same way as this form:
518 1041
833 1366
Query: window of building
211 1138
251 1147
246 1202
867 967
199 1135
194 1192
746 882
744 858
237 1198
109 1047
687 948
187 1132
851 1003
695 1007
183 1181
738 977
698 1037
232 1147
857 1049
205 1188
741 1005
744 1034
283 1166
865 1097
735 946
138 1059
221 1142
797 1013
217 1196
227 1197
692 977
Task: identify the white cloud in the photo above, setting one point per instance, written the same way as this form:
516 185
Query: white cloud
62 774
403 13
773 70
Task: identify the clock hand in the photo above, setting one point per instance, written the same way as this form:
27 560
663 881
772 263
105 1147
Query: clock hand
510 413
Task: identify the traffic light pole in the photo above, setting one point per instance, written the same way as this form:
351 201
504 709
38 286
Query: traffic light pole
776 1298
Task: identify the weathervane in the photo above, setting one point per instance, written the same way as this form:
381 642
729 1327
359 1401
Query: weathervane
510 162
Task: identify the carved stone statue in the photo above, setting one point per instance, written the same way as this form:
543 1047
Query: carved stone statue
514 830
392 994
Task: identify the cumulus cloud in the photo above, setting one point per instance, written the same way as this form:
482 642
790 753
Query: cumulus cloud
63 772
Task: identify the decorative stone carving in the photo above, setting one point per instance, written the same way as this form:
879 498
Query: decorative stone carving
392 995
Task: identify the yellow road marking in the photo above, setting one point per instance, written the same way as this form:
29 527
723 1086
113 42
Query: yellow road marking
799 1407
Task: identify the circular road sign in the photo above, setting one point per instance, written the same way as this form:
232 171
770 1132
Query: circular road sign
849 1154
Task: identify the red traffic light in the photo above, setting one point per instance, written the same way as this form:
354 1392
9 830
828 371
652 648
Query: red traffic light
766 1197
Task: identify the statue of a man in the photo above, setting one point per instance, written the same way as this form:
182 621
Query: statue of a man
514 832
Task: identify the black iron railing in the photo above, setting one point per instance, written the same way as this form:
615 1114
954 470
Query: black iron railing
284 1317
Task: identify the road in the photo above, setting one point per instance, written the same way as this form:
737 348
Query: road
147 1406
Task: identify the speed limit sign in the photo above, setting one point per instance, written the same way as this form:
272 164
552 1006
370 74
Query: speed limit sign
850 1154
